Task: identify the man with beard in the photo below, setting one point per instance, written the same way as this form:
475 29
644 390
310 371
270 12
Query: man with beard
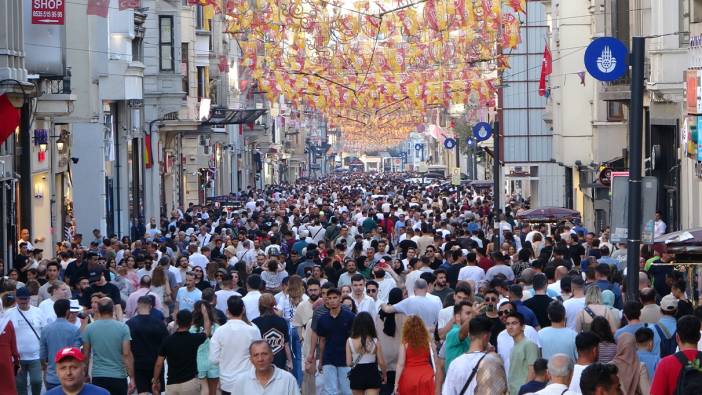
302 323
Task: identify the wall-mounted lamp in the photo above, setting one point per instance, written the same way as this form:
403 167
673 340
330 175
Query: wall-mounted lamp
39 188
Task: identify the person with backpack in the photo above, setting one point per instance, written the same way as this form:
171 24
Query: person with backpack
666 327
676 374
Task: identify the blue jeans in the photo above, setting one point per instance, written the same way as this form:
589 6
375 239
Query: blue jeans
296 349
33 369
336 380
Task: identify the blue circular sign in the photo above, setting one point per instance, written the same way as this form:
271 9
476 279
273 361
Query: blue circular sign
418 147
449 143
482 131
403 154
606 59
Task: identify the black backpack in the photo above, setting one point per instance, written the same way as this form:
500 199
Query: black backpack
690 378
668 343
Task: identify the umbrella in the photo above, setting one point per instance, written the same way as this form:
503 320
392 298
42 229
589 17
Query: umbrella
682 241
548 214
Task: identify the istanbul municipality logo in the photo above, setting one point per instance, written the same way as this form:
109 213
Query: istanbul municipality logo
606 59
605 62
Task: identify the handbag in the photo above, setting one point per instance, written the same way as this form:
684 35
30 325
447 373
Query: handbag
472 375
355 361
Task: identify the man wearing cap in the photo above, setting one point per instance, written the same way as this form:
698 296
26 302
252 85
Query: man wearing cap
56 336
28 322
667 326
70 369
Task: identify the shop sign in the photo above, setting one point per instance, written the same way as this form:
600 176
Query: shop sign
695 52
48 12
693 87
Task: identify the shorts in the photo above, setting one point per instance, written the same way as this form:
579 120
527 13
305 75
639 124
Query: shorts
365 376
211 373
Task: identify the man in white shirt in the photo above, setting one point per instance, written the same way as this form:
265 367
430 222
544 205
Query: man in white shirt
28 322
225 292
229 346
659 227
587 344
196 258
204 236
253 294
422 266
560 370
471 271
358 294
24 238
247 254
576 303
277 381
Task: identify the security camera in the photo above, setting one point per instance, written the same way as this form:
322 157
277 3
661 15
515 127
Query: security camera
74 160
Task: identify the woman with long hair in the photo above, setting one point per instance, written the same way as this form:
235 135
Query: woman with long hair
633 375
364 355
388 328
161 288
207 372
415 361
607 348
350 303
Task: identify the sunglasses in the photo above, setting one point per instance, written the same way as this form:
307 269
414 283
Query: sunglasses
371 290
504 312
491 299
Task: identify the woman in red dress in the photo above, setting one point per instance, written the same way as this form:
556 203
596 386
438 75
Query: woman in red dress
9 356
415 372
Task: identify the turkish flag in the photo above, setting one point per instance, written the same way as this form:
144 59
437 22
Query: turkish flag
127 4
98 7
9 118
546 70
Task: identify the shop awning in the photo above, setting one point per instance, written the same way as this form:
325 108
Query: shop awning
229 116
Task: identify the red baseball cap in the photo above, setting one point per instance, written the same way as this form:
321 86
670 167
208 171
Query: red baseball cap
69 352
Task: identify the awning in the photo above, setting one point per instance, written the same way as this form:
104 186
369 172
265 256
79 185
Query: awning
228 116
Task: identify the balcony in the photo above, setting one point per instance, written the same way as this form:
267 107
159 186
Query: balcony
618 90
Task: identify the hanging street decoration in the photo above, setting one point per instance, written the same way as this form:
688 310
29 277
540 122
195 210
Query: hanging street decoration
374 69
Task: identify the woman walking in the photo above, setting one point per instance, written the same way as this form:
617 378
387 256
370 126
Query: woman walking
388 327
207 372
364 355
415 372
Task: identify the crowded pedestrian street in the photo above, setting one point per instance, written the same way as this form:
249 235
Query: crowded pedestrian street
350 197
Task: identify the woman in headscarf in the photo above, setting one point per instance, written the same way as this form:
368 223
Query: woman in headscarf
388 327
9 356
633 376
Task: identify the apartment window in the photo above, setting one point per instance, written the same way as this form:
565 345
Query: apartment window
185 67
615 111
201 83
199 17
138 49
165 42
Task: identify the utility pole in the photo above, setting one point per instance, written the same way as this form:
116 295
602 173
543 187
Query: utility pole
635 147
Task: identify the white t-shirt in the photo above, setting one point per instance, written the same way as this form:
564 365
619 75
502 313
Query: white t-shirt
223 296
573 307
384 287
475 273
251 303
445 315
459 371
27 342
47 310
412 277
505 343
575 380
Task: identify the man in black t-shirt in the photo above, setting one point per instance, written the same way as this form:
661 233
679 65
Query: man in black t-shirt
180 349
274 330
99 284
147 334
540 301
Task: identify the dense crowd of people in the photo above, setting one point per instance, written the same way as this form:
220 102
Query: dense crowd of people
352 284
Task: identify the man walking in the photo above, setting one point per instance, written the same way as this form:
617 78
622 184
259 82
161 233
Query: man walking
489 374
55 337
560 370
71 367
524 353
180 350
333 330
229 346
265 378
147 333
107 341
28 322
